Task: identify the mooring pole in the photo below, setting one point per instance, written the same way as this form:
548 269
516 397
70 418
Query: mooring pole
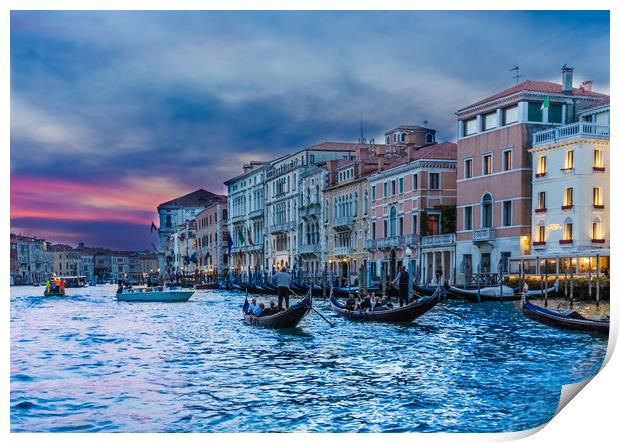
572 285
478 279
598 280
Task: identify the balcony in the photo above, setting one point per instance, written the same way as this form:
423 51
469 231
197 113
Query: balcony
310 210
484 234
411 239
370 244
281 228
574 130
254 248
441 240
311 248
256 213
390 242
342 250
343 223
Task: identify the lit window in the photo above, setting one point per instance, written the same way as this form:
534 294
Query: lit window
597 197
541 234
568 232
468 170
598 159
486 164
568 198
507 160
597 231
542 165
568 162
541 201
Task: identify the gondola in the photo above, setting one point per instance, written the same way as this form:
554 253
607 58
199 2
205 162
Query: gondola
395 315
285 319
570 320
493 293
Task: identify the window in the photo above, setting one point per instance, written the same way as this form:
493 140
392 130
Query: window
568 160
489 121
468 218
393 187
373 192
168 221
470 127
534 112
541 234
387 139
507 213
415 225
401 185
403 137
311 158
433 178
541 168
597 231
555 113
401 226
393 221
486 164
487 211
415 182
373 231
432 224
510 115
568 198
468 169
385 189
598 159
567 235
430 138
541 205
597 197
507 160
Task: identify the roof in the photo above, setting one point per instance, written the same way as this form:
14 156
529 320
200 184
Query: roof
438 151
334 146
597 104
199 197
410 128
533 86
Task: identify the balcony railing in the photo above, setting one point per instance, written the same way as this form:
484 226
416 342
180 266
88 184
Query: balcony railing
343 223
574 130
310 210
411 239
391 242
431 241
484 234
256 213
311 248
281 227
342 250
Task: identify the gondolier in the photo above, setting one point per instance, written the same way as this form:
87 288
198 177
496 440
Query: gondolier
403 286
283 283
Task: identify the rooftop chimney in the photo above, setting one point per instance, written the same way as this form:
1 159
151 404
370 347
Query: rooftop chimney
567 79
587 85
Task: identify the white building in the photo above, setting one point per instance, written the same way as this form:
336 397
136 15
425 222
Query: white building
570 188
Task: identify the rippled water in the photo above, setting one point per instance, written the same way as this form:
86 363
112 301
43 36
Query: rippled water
90 363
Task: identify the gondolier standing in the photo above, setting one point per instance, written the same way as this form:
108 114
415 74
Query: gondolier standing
402 278
283 283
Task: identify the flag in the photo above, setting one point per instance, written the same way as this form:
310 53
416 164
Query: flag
241 237
193 258
250 237
545 103
153 227
230 242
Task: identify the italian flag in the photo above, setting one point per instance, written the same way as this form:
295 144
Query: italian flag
545 103
241 238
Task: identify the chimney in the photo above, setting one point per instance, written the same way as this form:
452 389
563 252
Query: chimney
567 79
380 157
587 85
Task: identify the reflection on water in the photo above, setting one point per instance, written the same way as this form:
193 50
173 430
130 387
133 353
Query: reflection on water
89 363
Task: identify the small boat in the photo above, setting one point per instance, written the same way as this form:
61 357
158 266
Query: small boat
490 293
571 320
200 286
54 292
288 318
403 314
157 294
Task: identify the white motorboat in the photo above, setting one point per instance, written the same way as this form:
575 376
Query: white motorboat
157 294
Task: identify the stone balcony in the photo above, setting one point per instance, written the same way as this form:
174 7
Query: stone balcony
343 223
311 248
310 210
281 228
574 130
441 240
397 241
342 250
484 234
256 213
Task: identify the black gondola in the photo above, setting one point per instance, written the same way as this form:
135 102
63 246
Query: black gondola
288 318
570 320
395 315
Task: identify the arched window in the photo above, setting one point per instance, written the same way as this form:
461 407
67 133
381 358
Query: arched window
487 211
355 204
387 139
393 221
403 137
430 138
168 221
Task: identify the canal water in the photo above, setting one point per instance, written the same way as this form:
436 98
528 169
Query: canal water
89 363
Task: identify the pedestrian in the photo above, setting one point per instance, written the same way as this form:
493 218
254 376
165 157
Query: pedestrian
283 283
402 278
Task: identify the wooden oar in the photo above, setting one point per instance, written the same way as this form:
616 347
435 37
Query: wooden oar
312 307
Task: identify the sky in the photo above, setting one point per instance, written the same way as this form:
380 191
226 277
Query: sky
113 113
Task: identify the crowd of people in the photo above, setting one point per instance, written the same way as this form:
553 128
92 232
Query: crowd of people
55 285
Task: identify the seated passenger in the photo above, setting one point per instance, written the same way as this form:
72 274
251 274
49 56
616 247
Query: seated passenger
382 304
365 303
350 305
254 309
272 309
261 307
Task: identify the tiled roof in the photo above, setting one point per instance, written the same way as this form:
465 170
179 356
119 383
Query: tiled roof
410 128
534 86
437 151
196 198
597 104
335 146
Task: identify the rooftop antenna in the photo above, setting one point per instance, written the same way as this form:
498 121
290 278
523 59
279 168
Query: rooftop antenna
517 76
362 140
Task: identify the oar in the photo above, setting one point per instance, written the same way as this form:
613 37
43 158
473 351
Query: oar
312 307
446 309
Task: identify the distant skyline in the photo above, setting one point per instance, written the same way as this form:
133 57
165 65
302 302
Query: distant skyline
113 113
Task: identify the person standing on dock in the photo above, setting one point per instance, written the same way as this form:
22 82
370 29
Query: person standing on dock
283 283
402 278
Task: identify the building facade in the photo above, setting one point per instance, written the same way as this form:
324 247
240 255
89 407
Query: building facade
212 235
494 181
31 261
